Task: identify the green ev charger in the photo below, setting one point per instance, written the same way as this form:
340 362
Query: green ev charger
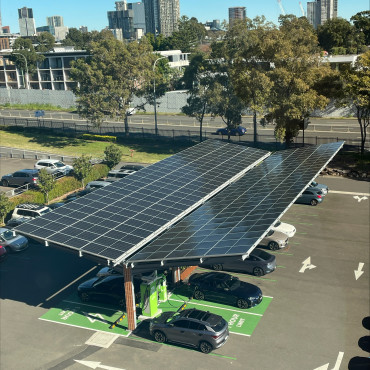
152 289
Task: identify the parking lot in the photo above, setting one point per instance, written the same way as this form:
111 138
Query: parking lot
314 318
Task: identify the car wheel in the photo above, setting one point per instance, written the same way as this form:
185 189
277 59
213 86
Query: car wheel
217 267
4 183
199 295
273 246
242 303
205 347
84 297
159 336
314 202
257 271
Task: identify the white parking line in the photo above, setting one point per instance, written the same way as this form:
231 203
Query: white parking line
349 193
61 290
219 308
91 305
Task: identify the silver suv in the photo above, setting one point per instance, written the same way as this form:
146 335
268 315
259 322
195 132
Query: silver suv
53 166
192 327
25 212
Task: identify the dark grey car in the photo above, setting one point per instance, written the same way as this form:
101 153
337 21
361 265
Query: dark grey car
258 263
20 178
192 327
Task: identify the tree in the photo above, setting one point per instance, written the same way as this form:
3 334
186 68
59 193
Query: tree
46 183
356 90
336 34
78 39
361 21
24 46
111 76
245 41
112 155
81 168
45 41
296 68
5 206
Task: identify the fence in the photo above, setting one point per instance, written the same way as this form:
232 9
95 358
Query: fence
135 132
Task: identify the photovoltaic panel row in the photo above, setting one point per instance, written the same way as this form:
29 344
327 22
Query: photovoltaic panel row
234 221
120 217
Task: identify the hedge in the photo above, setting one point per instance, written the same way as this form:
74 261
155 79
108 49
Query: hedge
110 139
64 185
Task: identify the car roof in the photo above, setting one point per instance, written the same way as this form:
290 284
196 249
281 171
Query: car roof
49 160
200 315
215 275
98 183
32 206
32 170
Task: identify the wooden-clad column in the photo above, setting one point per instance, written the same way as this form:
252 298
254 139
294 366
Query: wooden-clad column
130 298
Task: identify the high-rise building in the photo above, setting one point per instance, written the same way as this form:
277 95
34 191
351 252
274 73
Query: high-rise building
84 29
26 22
122 20
237 12
162 16
56 26
139 15
319 11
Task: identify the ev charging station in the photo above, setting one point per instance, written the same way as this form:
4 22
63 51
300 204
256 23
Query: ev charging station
153 290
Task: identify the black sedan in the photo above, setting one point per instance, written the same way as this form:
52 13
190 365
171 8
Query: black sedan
224 288
258 263
108 289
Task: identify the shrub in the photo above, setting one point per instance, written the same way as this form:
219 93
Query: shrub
113 155
110 139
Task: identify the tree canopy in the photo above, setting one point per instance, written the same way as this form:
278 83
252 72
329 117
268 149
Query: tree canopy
24 46
45 42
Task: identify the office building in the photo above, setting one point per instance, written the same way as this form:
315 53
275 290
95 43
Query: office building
84 29
121 21
319 11
139 16
26 22
237 13
162 16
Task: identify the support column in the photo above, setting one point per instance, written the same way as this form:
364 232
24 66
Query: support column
176 274
130 298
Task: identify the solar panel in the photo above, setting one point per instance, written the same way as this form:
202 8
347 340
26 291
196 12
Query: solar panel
234 221
114 221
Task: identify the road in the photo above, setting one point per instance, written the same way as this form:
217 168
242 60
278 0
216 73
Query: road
322 127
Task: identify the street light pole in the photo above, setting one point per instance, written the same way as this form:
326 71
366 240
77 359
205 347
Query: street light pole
25 59
155 99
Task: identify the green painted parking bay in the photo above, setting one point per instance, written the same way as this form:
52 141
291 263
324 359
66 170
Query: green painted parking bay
87 315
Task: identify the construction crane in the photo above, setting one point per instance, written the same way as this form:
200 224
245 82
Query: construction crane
281 7
302 10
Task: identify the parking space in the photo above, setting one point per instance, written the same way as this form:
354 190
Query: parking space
314 319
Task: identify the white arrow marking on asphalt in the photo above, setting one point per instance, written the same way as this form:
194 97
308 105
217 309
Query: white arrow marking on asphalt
95 365
359 271
95 315
336 366
307 265
360 199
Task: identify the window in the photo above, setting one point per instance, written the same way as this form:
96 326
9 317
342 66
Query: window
19 174
181 324
202 327
193 325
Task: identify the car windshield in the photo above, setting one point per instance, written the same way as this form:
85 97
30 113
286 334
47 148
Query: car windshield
233 283
172 318
7 235
270 233
314 183
277 224
218 326
45 211
59 164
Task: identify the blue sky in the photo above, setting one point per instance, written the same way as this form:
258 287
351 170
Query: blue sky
93 13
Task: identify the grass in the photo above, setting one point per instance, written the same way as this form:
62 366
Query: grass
35 106
144 151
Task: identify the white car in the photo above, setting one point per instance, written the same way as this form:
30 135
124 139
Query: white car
284 228
53 166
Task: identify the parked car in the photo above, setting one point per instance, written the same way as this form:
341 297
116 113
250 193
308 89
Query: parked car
274 240
3 253
14 222
192 327
56 205
323 188
258 263
53 166
12 241
107 288
133 167
28 211
115 175
284 228
107 271
224 288
20 178
310 196
239 131
93 185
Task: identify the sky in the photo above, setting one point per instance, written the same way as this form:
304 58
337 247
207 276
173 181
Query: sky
93 13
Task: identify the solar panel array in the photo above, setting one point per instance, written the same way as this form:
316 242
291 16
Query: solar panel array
234 221
113 221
